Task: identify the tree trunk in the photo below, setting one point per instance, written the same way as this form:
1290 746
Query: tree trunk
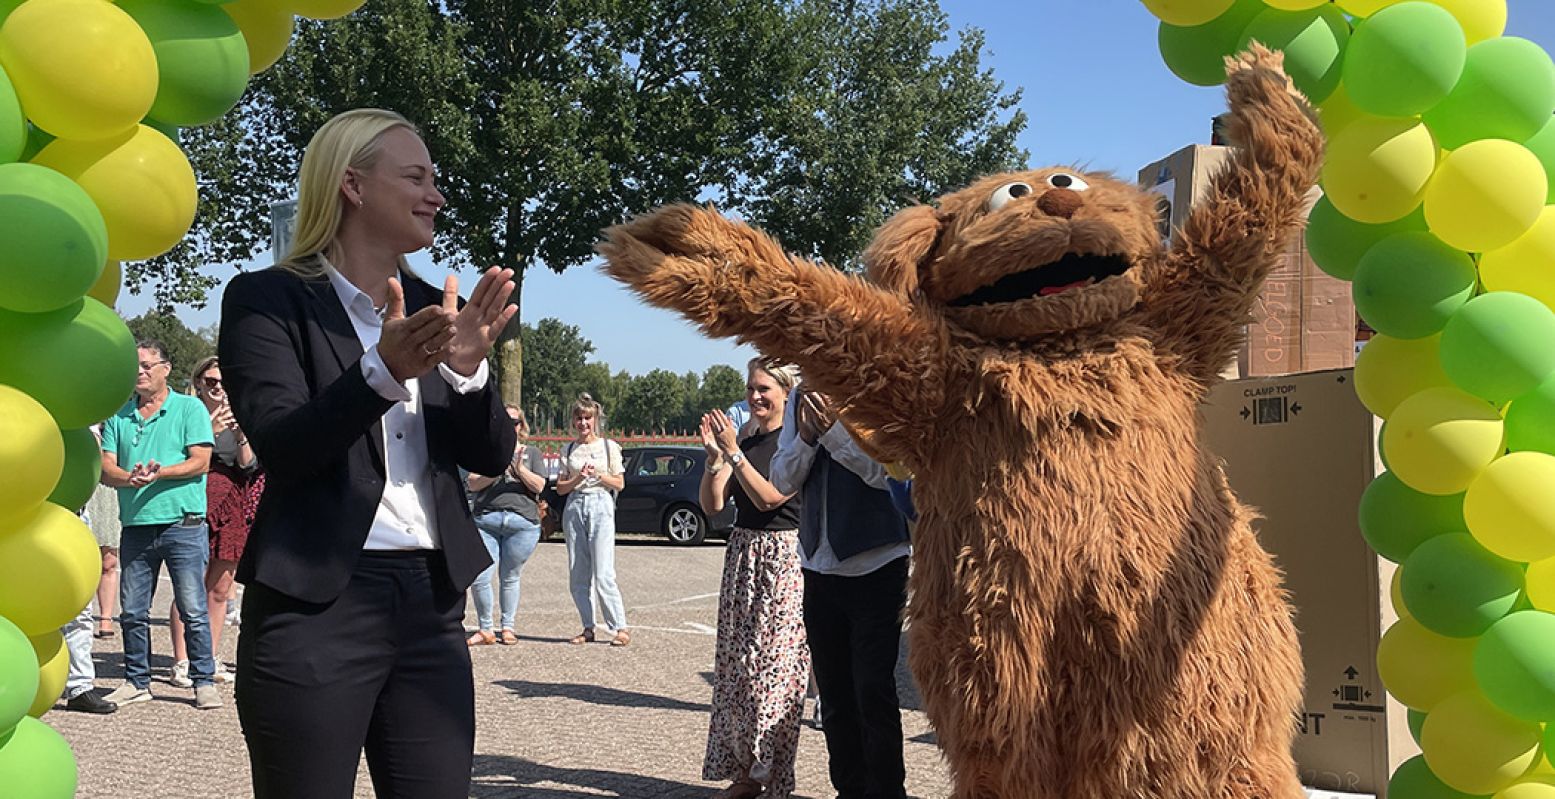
510 345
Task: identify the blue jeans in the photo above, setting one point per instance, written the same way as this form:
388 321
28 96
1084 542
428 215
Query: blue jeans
142 549
511 539
589 524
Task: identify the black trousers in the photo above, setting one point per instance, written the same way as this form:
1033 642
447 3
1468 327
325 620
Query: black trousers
854 625
384 667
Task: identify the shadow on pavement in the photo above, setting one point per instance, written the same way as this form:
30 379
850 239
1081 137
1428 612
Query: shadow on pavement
502 776
598 695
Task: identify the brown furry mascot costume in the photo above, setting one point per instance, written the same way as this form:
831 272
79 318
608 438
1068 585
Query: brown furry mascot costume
1091 616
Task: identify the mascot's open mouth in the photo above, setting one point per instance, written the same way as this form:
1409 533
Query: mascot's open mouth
1069 272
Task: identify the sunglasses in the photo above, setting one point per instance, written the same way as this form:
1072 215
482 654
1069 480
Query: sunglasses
211 383
146 367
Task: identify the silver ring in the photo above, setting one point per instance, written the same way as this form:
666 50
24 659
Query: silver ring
429 349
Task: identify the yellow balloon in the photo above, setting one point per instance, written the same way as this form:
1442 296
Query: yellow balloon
1377 169
83 69
1481 19
1485 195
1337 112
1294 5
32 453
49 565
1539 582
1389 370
324 9
53 668
267 28
1537 785
1475 748
1186 13
1364 8
1421 668
106 289
1527 265
141 182
1396 594
1438 440
1510 507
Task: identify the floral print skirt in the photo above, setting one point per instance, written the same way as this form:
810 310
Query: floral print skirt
762 664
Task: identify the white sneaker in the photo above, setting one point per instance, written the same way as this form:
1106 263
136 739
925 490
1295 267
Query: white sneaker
235 611
180 678
128 694
206 697
222 675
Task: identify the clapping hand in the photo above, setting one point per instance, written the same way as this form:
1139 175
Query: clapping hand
815 416
144 474
480 321
709 443
414 346
222 419
723 432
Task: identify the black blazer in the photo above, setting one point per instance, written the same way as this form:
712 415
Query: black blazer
291 363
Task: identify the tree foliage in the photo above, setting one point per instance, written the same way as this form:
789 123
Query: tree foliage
652 402
557 354
722 386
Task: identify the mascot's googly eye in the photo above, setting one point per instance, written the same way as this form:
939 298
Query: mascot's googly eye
1007 192
1064 180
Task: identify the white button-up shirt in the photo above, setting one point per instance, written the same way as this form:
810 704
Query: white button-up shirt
405 519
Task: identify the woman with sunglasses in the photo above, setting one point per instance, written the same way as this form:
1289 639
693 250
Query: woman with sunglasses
232 489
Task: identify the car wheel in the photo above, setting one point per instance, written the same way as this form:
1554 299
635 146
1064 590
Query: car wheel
685 525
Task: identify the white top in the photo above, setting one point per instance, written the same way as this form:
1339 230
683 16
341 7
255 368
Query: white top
602 452
404 519
790 468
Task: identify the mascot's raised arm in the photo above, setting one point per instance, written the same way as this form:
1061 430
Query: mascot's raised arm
1091 615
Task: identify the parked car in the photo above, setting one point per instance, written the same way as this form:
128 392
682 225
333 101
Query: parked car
660 495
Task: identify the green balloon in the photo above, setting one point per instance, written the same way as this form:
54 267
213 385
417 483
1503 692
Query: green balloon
7 6
83 467
1530 420
1336 242
1404 59
78 362
37 139
1542 145
13 125
1507 92
1382 452
1416 721
1414 780
1409 284
18 675
1395 518
1313 42
1498 345
1197 54
36 762
1457 588
55 240
1514 665
202 59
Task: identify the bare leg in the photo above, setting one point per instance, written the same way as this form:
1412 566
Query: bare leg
108 589
218 591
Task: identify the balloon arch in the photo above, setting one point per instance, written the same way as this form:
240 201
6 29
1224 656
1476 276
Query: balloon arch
1438 192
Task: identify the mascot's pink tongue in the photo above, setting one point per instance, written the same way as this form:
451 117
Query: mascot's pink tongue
1050 290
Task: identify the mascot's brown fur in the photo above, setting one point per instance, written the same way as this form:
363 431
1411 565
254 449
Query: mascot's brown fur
1091 616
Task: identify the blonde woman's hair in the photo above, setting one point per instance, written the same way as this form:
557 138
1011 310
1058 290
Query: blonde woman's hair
205 365
786 375
588 406
348 141
521 417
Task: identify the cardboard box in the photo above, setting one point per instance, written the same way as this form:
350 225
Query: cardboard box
1300 449
1303 320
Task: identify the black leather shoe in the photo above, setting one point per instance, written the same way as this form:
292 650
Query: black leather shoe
90 702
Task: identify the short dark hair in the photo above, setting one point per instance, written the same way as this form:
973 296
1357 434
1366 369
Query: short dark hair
152 344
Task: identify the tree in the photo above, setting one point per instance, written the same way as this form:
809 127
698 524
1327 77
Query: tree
551 120
651 401
184 347
722 386
557 354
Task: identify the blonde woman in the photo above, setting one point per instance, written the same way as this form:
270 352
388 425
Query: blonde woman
762 664
364 391
591 474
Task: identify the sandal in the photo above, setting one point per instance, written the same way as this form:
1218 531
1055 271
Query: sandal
585 637
622 638
508 637
741 789
480 638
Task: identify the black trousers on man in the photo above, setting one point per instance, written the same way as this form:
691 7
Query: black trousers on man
383 668
854 625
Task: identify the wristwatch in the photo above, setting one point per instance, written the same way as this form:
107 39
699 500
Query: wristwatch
735 459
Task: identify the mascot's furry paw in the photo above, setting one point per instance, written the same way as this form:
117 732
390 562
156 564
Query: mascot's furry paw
683 238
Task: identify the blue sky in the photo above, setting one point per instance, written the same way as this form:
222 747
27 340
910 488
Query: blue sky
1095 91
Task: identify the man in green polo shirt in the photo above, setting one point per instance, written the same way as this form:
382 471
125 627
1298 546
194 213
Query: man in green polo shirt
156 451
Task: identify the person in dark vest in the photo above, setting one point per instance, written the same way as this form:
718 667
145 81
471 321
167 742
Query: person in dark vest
853 549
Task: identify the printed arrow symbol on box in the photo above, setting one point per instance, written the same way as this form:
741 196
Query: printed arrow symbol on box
1295 408
1245 412
1351 672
